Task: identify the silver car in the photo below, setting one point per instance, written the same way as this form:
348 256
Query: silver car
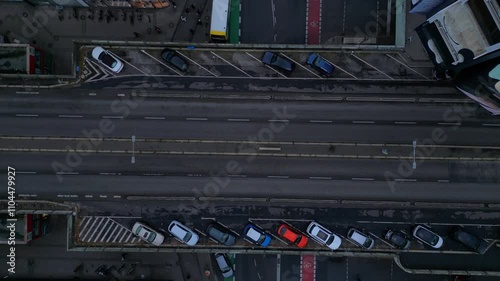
224 265
183 233
323 236
147 234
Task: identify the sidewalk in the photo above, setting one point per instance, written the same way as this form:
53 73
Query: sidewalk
42 27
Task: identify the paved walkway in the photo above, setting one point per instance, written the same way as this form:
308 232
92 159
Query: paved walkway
313 28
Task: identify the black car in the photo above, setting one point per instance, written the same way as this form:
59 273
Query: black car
471 241
173 58
278 62
397 239
221 234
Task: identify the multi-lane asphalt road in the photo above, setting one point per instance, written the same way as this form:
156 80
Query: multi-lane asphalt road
349 150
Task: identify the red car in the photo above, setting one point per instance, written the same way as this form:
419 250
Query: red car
292 235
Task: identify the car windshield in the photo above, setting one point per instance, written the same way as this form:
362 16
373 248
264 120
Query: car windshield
107 59
151 237
298 239
427 236
187 237
138 230
397 239
262 238
368 242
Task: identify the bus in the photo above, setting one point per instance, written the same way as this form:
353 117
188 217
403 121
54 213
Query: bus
219 31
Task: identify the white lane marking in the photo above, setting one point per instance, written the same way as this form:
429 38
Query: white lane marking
27 115
103 196
320 121
443 180
405 122
273 9
367 63
134 67
363 179
112 117
297 63
450 124
199 65
69 116
162 63
489 124
27 93
343 70
363 122
238 120
89 196
320 178
92 94
270 148
278 177
278 120
405 179
67 173
407 66
97 72
104 70
25 172
241 70
282 75
238 176
117 196
154 118
121 95
196 119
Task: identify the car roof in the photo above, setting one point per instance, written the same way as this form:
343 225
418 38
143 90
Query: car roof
253 234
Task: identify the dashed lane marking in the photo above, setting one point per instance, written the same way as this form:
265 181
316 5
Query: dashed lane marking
238 120
320 121
405 122
154 118
363 179
226 61
27 93
70 116
26 115
162 63
196 119
363 122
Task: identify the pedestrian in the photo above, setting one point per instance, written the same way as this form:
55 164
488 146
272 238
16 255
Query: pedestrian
192 31
198 12
137 34
187 11
173 4
199 22
193 7
183 18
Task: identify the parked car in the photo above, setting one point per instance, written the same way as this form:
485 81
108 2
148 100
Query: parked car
278 61
428 237
470 241
224 264
292 235
108 59
256 235
323 236
360 239
321 65
221 234
398 239
148 234
174 59
183 233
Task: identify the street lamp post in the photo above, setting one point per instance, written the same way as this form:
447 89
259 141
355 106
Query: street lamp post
133 150
414 153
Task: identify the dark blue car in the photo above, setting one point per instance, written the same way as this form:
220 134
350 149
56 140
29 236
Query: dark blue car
256 235
320 64
278 61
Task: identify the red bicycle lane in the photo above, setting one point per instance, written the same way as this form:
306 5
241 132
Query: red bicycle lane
313 30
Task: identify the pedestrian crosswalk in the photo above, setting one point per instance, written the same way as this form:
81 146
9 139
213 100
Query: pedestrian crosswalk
99 230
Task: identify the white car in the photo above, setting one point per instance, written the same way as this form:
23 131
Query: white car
323 236
428 237
183 233
360 239
108 59
147 234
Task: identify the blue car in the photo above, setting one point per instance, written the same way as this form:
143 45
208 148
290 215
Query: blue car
320 64
256 235
278 61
